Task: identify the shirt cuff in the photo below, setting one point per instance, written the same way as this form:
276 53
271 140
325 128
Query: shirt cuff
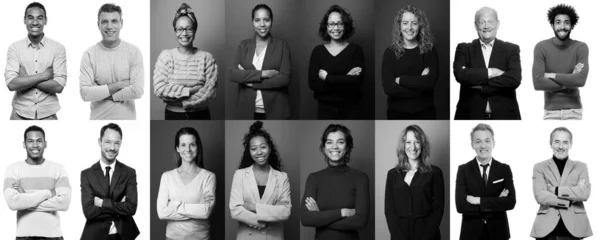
489 73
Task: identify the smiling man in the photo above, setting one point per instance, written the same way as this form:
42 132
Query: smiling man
484 191
560 186
560 66
109 192
36 70
112 71
37 188
489 72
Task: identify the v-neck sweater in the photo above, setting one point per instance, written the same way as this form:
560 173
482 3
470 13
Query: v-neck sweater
183 205
334 188
338 88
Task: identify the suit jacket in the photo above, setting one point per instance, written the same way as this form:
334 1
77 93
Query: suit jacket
117 206
492 209
470 70
414 212
274 90
568 204
272 209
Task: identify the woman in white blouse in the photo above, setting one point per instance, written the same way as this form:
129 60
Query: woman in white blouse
187 194
260 192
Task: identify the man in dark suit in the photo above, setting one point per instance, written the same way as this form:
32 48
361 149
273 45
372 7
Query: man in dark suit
489 72
484 191
109 192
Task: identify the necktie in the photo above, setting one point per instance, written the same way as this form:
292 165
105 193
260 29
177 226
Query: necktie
485 176
107 176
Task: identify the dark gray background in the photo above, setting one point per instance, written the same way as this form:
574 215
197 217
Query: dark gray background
163 159
209 37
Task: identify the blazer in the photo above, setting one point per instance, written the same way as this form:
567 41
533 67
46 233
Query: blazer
274 90
492 209
117 206
271 210
470 71
568 204
414 212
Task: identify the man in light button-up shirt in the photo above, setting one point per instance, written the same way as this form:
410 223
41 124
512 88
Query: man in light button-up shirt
36 70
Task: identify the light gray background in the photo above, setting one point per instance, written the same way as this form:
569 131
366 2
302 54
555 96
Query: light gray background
362 159
386 142
209 37
282 133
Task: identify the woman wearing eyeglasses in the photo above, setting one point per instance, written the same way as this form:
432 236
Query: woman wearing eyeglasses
185 78
410 67
336 69
262 69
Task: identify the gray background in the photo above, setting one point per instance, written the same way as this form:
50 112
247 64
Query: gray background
387 136
309 139
438 13
209 37
286 20
282 133
362 14
163 159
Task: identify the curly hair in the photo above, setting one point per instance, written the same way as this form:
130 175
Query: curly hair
185 11
190 131
256 130
347 136
425 37
346 19
563 9
403 164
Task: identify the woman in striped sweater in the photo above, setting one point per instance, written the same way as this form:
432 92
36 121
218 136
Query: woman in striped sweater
185 78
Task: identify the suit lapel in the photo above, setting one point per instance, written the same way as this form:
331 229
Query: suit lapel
494 173
251 179
477 174
554 169
478 60
250 51
271 183
100 177
496 50
566 171
115 177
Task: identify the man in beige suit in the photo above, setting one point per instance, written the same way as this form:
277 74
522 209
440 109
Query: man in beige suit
560 186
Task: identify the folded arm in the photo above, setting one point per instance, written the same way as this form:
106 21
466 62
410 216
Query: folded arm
462 205
282 79
541 193
162 88
163 209
90 211
204 95
236 203
501 204
242 75
388 79
129 206
18 200
463 72
576 80
62 199
362 208
135 89
203 209
317 218
540 82
281 209
423 82
580 192
345 81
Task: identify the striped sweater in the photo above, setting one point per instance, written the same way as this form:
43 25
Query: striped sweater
47 190
189 79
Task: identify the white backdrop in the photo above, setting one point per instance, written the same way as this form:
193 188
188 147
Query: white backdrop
525 24
76 148
521 145
73 24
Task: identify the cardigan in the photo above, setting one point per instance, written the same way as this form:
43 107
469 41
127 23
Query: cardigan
274 90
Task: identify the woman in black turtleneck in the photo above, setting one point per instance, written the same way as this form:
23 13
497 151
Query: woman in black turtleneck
414 190
336 199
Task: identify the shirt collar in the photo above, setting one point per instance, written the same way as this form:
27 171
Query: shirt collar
42 42
479 162
103 165
491 44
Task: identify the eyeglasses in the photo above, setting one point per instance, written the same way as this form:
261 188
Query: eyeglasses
338 24
180 30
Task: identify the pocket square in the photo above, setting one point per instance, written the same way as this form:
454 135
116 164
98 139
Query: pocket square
499 180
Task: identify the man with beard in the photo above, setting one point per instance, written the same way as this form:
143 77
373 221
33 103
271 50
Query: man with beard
489 72
36 70
109 192
37 188
560 186
484 191
560 66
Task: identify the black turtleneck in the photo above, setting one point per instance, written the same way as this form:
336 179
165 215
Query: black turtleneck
560 163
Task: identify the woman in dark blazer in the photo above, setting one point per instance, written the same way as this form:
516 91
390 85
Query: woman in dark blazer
414 190
262 69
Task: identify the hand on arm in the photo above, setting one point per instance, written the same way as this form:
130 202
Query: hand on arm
58 80
242 68
311 217
579 192
579 78
164 207
355 71
129 206
501 204
281 208
237 204
358 217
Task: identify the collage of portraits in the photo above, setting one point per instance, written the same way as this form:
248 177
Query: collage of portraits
299 119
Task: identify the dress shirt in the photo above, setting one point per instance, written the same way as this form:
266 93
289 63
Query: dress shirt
113 228
34 103
486 49
257 61
487 171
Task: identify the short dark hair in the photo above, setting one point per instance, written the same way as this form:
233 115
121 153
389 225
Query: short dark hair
346 19
190 131
185 11
347 136
34 128
257 130
262 6
562 129
563 9
35 4
112 126
110 7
